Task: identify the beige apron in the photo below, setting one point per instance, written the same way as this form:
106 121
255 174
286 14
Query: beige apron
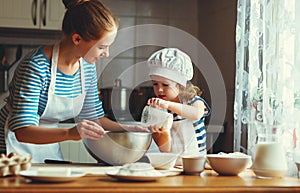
58 108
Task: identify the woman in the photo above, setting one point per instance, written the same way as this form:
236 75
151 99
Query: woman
58 82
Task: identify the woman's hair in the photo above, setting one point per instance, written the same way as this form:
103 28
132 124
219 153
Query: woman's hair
189 92
89 18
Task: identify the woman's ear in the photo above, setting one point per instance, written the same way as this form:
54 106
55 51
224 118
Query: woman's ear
76 39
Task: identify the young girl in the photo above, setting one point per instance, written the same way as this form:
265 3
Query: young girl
171 71
58 82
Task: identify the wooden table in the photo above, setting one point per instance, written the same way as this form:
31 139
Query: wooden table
208 181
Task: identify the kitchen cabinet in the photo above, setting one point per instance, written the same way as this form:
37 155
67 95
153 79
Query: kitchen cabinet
32 14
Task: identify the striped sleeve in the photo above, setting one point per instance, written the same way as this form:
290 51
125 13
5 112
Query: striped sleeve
92 107
25 92
200 133
199 126
3 117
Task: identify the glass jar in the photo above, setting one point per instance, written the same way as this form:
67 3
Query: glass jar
270 158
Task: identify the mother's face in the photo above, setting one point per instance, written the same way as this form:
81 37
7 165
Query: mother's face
99 48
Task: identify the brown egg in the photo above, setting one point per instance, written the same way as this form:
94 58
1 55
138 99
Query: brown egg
12 154
4 161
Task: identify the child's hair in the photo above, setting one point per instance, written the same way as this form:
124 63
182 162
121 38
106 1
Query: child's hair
189 92
89 18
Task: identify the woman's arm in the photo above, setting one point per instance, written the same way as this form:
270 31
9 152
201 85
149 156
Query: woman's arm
110 125
84 129
42 135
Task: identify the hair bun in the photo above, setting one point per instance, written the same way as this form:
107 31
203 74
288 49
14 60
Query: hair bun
72 3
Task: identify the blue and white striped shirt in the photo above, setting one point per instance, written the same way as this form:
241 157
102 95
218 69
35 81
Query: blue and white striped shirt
29 91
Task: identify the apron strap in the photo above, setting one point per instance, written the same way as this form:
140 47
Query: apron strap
3 131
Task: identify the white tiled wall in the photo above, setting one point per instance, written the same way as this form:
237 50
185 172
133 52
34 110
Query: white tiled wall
182 14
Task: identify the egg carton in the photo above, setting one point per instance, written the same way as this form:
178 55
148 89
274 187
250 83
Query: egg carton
14 163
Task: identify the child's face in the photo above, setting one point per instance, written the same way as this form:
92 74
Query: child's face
164 88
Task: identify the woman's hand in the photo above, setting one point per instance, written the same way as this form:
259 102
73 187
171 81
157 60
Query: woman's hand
135 128
158 103
89 129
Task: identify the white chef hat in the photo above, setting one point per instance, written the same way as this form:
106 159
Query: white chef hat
173 64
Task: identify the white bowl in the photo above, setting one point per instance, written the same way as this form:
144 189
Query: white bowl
162 160
228 164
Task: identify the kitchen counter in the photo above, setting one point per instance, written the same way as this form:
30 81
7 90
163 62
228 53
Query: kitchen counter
208 181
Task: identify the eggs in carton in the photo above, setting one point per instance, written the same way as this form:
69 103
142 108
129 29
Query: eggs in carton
13 163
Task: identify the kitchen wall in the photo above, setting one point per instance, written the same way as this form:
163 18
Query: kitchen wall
211 21
217 20
176 13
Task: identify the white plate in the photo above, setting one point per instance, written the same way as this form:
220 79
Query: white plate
142 178
32 174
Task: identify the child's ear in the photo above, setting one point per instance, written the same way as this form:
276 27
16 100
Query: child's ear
76 39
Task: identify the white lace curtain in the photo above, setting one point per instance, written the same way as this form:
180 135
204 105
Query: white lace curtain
267 87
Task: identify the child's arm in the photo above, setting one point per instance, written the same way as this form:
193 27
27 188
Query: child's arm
192 112
162 137
162 140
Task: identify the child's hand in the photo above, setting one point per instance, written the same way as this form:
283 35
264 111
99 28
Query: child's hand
162 138
157 102
155 128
